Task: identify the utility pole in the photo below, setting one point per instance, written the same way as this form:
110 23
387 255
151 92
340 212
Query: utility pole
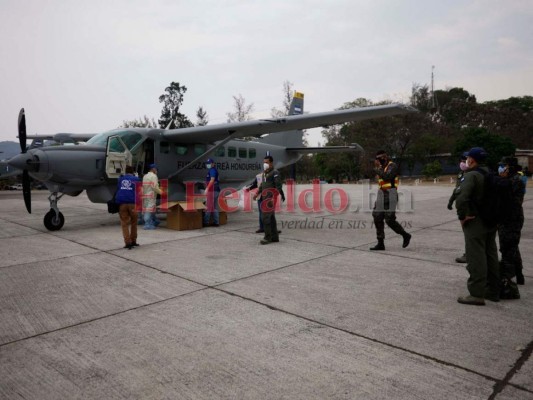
433 99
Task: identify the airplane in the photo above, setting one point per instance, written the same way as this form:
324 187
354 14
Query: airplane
179 153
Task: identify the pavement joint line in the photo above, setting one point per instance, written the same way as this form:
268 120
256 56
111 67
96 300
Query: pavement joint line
101 317
500 385
52 259
324 324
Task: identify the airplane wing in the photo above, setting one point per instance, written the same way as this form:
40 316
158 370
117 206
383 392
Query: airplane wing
326 149
64 137
212 133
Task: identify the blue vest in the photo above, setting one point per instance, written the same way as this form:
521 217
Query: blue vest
126 189
213 173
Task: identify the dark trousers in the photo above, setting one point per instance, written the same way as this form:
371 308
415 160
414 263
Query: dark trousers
269 220
261 227
385 212
481 258
509 238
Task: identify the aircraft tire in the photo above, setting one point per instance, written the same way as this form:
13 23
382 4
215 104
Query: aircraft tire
51 222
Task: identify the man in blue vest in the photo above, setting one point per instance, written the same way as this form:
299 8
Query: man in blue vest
125 197
212 190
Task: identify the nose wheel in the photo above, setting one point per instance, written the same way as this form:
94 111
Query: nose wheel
53 221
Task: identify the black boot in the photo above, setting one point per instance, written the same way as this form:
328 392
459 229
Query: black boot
520 278
509 290
406 239
379 246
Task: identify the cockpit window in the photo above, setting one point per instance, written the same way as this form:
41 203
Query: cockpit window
130 139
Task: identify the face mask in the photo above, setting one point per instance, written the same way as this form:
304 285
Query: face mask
382 161
501 169
266 166
208 166
463 165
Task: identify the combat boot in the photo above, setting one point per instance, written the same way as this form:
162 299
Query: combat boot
520 278
461 259
471 300
509 290
406 239
379 246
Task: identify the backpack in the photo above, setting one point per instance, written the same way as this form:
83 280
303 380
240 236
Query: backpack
493 205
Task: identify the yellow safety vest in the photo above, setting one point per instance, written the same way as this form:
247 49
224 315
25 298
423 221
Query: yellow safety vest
386 185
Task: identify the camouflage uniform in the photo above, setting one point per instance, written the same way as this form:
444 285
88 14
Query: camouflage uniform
386 202
509 233
269 189
480 239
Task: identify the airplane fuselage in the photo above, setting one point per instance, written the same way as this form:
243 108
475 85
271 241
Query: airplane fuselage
70 169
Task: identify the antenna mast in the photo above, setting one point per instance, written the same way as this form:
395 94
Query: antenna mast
433 99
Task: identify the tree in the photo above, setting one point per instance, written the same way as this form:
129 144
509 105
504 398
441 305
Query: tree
143 122
288 94
201 116
432 170
242 111
172 101
496 146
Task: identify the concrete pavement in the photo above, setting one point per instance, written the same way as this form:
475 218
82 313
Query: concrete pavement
212 314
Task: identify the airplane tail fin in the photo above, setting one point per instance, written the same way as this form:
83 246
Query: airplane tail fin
289 138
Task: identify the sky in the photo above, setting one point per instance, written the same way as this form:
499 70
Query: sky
86 66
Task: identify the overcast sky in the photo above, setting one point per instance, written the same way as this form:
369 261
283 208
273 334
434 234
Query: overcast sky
85 66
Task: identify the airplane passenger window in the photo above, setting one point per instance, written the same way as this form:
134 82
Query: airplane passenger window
199 149
164 147
242 153
220 152
181 150
232 152
252 153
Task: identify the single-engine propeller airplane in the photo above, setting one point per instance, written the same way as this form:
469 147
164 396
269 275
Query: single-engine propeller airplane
179 153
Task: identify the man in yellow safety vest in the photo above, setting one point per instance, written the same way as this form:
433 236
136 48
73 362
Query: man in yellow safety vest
387 200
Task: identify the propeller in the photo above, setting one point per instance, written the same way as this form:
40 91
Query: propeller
26 181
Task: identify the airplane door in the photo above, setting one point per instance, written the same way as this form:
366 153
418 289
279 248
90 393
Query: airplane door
117 157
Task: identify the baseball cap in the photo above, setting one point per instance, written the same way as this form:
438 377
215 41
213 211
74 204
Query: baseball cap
209 161
477 153
152 166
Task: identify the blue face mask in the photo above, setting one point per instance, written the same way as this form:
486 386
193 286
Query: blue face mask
501 169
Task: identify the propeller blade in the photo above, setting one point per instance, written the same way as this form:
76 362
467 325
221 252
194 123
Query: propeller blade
22 131
26 189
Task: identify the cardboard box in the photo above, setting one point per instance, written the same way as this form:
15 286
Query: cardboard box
181 218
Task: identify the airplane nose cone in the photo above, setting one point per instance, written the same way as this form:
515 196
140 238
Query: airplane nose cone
20 161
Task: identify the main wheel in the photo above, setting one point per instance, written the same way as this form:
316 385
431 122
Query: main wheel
53 222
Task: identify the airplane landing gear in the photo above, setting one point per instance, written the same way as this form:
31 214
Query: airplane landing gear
54 219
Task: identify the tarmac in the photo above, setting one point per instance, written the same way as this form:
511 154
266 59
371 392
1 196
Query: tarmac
212 314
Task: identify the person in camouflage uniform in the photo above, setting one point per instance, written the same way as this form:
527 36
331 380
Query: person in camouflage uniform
463 167
480 238
387 200
510 228
268 191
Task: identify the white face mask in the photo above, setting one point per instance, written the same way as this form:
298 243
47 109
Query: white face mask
501 169
208 166
463 166
266 166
